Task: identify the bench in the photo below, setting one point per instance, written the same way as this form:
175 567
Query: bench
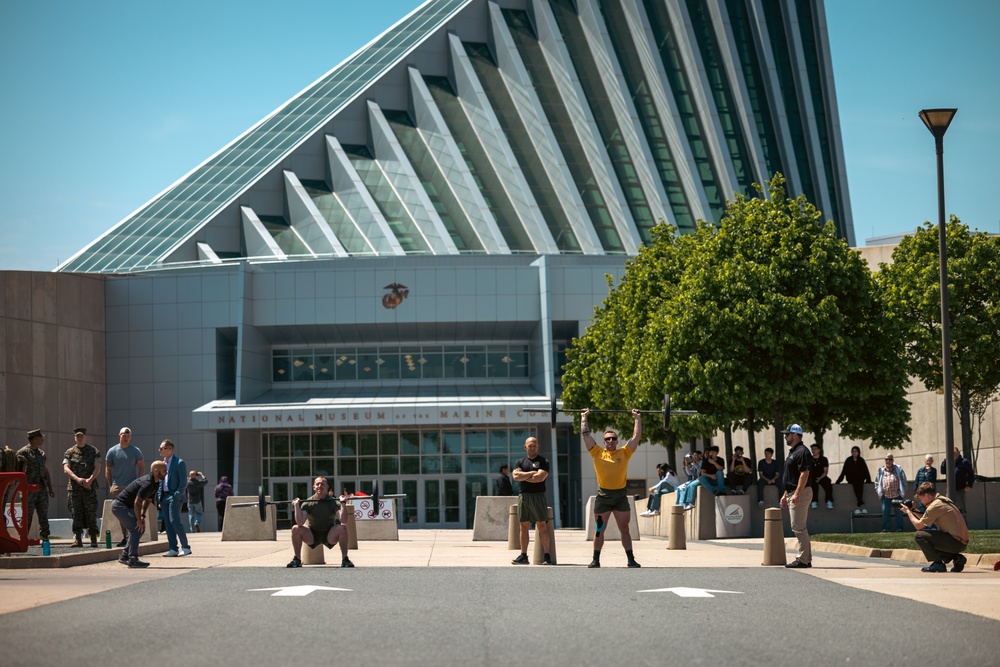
854 516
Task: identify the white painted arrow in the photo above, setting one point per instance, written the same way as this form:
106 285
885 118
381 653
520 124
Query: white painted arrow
682 592
297 591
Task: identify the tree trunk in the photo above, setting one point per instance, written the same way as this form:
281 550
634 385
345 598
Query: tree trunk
727 437
965 420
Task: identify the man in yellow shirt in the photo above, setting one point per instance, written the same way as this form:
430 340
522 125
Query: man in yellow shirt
611 466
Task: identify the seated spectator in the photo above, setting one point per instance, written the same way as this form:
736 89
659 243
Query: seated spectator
711 472
819 475
949 536
692 466
856 472
770 472
740 473
667 484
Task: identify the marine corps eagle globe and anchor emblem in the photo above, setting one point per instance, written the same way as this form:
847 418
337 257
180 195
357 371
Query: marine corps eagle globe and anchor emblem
396 296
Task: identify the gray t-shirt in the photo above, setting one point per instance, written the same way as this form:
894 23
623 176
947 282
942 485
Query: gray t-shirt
123 464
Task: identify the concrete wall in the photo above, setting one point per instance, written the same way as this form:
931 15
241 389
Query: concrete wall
52 364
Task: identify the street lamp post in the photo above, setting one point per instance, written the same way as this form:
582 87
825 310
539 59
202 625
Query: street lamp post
937 121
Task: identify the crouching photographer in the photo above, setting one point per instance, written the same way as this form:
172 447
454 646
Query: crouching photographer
941 530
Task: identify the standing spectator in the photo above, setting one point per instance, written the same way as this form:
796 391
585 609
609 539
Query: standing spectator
856 472
611 468
171 498
130 508
31 461
82 463
222 491
740 473
196 499
949 536
770 472
890 484
502 485
668 483
123 464
926 474
798 493
965 477
531 472
819 475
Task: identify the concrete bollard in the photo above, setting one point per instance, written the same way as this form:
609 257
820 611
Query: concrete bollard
774 538
676 539
513 530
539 554
352 530
313 556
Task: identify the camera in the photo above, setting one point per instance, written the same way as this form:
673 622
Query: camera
897 502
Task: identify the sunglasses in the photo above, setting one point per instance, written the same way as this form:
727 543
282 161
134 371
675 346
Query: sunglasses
613 438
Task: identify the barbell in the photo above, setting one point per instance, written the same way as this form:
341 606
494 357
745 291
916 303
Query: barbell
263 502
667 412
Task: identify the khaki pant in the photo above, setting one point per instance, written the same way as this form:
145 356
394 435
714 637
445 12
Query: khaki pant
799 515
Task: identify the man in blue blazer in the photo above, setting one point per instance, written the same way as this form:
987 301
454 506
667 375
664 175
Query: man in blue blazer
172 492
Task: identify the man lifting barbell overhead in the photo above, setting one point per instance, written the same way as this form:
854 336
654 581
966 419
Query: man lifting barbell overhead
611 466
319 520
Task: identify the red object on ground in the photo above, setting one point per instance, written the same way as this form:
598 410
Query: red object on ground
996 566
14 485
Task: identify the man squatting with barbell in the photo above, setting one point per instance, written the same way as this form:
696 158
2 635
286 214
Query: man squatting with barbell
611 466
319 520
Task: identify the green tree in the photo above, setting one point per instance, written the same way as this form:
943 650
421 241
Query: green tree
911 284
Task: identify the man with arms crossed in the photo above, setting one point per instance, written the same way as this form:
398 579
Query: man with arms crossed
798 493
531 473
611 466
124 463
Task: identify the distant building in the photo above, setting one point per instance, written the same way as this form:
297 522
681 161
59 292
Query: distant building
379 279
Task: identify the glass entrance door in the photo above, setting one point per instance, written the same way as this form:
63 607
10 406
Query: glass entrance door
287 488
433 502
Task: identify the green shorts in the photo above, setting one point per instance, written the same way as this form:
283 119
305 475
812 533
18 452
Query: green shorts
611 500
532 507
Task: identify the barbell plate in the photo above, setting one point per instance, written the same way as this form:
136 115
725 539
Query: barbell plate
261 504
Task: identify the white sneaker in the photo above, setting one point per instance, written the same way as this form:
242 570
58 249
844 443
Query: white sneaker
829 504
857 512
646 513
760 503
171 553
689 506
814 505
655 513
864 511
185 551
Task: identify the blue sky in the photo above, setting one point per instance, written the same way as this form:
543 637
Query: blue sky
107 103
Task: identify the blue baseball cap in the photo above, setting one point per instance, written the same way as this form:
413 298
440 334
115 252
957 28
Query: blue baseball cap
794 428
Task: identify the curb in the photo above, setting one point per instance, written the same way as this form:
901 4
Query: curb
985 561
74 559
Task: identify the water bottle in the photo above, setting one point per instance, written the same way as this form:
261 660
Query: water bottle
46 548
107 539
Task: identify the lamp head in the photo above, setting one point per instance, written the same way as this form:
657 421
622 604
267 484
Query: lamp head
937 120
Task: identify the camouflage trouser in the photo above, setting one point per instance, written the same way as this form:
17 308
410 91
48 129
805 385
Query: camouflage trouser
83 509
39 502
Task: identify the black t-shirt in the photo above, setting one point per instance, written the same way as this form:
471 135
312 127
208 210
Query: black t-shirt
799 460
819 465
531 465
141 487
741 468
709 468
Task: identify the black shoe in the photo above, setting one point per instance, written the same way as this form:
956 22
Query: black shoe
123 559
935 567
135 562
959 563
798 564
595 563
295 563
123 542
521 560
93 541
547 560
632 563
78 542
346 563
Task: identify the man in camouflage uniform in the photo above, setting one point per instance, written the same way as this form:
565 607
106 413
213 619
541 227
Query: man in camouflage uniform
81 463
31 461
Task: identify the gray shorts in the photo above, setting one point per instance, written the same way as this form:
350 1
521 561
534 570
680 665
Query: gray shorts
532 507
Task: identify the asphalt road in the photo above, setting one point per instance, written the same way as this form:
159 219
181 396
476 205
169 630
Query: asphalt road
498 616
